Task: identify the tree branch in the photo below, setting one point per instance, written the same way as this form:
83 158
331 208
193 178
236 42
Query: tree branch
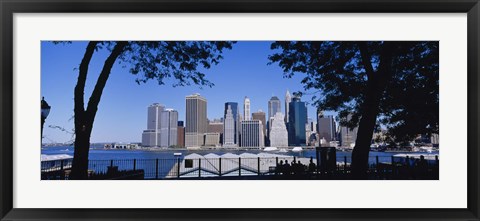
79 107
385 64
366 58
102 80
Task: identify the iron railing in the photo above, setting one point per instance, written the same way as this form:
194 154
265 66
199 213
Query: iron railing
379 167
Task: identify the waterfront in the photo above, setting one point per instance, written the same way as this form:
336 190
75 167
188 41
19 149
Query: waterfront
139 154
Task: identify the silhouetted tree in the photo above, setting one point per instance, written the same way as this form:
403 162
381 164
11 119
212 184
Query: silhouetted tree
147 60
369 83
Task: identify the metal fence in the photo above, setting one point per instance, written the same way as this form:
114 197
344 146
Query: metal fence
218 168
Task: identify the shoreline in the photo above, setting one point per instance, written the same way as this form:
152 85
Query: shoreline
224 149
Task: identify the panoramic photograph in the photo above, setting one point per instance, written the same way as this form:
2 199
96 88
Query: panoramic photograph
239 110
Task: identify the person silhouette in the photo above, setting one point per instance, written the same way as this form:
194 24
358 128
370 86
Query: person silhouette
293 167
311 166
421 167
286 168
280 167
300 168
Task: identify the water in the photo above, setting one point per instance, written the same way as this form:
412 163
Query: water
102 154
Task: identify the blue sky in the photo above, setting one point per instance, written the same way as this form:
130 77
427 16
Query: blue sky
122 112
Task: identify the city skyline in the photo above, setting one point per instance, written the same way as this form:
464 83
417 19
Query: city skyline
119 120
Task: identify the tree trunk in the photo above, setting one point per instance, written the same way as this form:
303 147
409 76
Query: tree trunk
80 155
82 140
84 118
365 130
376 84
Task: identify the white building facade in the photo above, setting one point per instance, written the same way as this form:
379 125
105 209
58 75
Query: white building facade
288 99
169 127
278 132
151 136
246 109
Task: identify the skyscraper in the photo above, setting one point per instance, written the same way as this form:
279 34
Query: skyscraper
274 106
297 121
278 132
348 136
246 109
151 136
229 128
288 99
260 115
180 134
236 119
196 120
326 128
252 133
169 124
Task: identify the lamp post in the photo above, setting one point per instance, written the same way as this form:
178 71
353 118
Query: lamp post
45 111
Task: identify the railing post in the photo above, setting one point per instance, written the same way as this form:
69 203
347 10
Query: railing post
111 163
199 167
156 168
345 164
393 166
239 166
258 163
62 174
276 165
219 166
178 167
376 165
134 164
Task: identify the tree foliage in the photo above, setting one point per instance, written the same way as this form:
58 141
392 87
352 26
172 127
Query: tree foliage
183 61
338 72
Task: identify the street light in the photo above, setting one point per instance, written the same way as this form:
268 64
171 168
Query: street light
45 111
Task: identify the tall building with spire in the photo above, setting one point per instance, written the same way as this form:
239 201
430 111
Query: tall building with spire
288 99
246 109
195 120
151 136
229 128
236 119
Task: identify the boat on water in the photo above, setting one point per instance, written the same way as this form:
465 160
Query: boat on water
283 150
297 149
270 149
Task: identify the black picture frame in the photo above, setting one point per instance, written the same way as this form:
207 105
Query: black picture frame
9 7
